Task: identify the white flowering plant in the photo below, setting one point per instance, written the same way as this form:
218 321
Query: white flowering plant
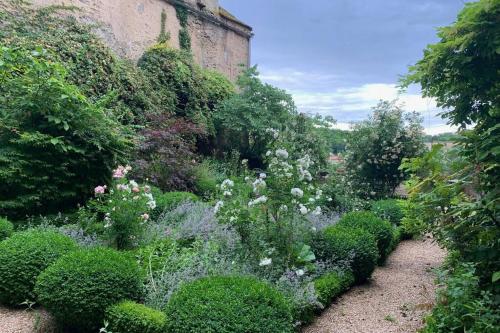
376 147
124 208
269 208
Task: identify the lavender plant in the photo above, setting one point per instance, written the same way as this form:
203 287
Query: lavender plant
185 265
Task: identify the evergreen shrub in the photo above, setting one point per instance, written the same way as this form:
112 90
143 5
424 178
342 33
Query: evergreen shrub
23 257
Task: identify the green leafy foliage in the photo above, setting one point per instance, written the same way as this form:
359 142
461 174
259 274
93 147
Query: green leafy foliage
55 143
228 304
6 228
184 37
376 147
335 139
245 123
357 246
381 229
461 72
184 87
331 285
90 64
131 317
389 209
207 179
164 36
462 306
78 287
23 257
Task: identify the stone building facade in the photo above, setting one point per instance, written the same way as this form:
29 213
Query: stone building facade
218 39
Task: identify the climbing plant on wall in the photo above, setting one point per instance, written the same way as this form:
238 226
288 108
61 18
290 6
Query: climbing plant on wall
184 37
164 35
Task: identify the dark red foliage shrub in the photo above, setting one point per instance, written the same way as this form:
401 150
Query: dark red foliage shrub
166 153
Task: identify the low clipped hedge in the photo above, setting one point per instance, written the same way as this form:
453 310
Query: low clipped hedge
388 209
381 229
339 243
78 287
6 229
331 285
169 200
397 236
228 304
23 257
131 317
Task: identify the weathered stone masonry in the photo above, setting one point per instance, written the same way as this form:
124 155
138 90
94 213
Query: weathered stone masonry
218 40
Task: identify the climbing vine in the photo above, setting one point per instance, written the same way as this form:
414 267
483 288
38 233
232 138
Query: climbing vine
164 35
184 37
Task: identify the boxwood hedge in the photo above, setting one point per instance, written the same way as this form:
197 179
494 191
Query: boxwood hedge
23 257
381 229
226 304
339 243
131 317
79 287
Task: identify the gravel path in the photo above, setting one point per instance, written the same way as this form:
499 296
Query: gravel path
394 301
24 321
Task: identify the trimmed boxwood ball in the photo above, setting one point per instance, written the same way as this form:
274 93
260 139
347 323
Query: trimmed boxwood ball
6 229
332 285
338 243
381 229
388 209
131 317
78 287
23 257
227 304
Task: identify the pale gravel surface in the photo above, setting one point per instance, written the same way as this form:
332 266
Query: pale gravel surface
24 321
395 300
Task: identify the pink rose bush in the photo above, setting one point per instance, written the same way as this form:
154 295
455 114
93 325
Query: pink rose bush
125 207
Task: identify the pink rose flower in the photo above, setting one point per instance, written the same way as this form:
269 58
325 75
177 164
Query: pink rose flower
121 171
100 189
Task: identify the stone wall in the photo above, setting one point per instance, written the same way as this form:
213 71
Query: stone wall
218 40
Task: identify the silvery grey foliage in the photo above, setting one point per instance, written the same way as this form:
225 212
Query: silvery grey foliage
80 237
206 259
298 287
192 220
322 221
60 223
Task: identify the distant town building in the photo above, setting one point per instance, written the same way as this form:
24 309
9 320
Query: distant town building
218 39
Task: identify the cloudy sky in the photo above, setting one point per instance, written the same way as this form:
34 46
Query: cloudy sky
339 57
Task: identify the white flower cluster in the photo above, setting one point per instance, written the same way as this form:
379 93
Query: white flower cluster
265 262
258 201
302 165
226 187
297 192
281 153
218 206
259 184
274 132
279 165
